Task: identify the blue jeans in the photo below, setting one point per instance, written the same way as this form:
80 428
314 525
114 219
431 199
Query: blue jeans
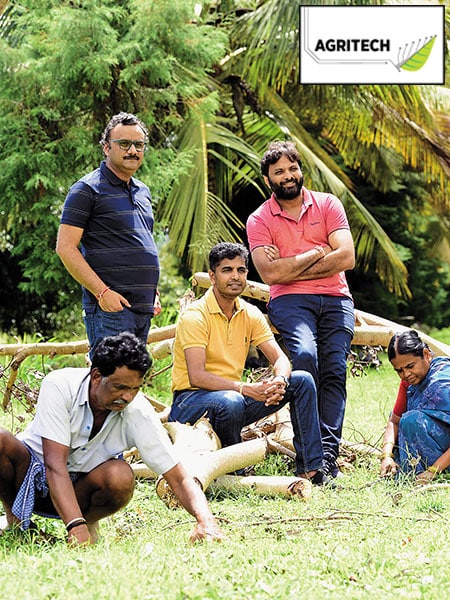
318 331
100 324
229 411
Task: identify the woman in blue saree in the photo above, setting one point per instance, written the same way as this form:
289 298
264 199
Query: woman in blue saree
419 425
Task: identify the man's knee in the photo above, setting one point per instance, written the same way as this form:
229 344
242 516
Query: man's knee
117 482
14 460
303 381
11 447
120 475
232 404
5 439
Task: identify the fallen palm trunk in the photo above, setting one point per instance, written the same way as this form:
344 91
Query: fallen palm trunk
370 330
22 351
364 319
206 463
205 467
162 349
266 485
199 438
361 448
141 471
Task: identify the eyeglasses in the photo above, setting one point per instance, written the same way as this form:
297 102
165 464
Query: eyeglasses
126 144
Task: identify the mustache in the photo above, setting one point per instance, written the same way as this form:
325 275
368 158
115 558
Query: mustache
131 156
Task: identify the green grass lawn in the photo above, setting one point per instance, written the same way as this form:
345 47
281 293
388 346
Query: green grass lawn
368 539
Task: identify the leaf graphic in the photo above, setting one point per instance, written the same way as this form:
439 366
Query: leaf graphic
419 57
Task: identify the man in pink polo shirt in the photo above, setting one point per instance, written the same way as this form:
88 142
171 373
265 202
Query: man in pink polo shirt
301 246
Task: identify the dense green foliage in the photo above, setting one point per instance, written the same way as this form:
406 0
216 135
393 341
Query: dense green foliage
405 215
69 68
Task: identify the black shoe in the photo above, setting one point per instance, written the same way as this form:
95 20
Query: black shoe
321 478
331 469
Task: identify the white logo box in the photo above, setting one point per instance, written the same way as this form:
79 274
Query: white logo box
372 44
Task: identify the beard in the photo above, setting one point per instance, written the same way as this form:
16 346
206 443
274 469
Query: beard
283 193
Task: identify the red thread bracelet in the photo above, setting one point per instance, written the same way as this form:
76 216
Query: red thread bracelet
102 293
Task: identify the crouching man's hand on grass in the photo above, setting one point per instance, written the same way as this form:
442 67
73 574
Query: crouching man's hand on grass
191 496
208 531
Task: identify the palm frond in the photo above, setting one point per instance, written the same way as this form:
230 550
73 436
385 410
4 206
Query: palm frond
359 119
198 218
270 35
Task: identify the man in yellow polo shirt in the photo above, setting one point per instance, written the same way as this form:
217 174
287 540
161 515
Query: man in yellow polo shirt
212 341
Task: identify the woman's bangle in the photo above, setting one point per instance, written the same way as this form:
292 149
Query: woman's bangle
102 293
75 523
386 455
433 470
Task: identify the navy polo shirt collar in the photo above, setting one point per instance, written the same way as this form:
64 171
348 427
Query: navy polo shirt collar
112 177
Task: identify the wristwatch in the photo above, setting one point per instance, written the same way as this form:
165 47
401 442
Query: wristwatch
285 379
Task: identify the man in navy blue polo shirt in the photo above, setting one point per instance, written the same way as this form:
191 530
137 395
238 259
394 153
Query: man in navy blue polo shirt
105 238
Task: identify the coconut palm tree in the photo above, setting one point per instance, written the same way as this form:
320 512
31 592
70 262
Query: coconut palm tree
371 129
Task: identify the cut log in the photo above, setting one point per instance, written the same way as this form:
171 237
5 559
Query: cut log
188 440
369 320
294 487
163 349
198 438
141 471
205 467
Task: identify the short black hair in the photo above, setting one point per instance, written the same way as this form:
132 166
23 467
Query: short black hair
122 350
226 250
406 342
121 118
275 151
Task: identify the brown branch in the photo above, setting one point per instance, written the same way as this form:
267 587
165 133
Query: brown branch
339 515
335 516
20 352
276 447
360 448
431 487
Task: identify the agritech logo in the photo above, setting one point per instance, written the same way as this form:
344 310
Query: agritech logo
372 44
